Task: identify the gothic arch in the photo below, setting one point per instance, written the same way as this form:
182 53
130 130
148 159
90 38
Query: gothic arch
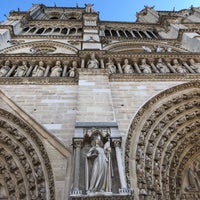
163 145
137 46
25 168
41 47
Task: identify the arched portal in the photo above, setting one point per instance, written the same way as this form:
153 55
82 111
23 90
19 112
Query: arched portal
163 145
25 169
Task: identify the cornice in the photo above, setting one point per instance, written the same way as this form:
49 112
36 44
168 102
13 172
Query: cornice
153 77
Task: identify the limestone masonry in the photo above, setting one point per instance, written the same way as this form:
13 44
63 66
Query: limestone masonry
94 110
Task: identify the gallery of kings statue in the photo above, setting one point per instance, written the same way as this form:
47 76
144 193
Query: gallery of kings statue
99 110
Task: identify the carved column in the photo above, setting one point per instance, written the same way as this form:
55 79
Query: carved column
11 70
102 63
47 69
137 67
65 69
154 67
77 150
170 67
117 143
188 67
82 63
119 67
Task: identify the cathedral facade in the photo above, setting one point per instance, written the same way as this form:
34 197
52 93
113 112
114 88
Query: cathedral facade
94 109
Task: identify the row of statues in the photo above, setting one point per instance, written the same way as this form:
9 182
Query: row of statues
63 70
38 70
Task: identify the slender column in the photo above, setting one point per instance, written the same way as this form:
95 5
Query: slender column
171 68
188 67
11 70
102 63
154 67
119 68
117 143
137 67
30 69
77 145
83 63
47 70
65 69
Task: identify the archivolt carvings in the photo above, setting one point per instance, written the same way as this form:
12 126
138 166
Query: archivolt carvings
167 143
25 170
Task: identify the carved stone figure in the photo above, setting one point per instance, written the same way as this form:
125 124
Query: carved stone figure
21 70
194 177
72 70
5 68
145 67
56 70
162 66
128 69
111 67
146 49
98 175
39 70
194 66
178 67
93 62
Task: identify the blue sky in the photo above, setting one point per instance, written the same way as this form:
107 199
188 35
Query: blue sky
113 10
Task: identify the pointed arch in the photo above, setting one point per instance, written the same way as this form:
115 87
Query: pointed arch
163 143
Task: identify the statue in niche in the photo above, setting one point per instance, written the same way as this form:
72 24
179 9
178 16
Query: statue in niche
178 67
98 173
128 69
194 66
145 67
2 191
56 70
193 176
111 67
93 62
39 70
5 68
162 66
72 70
21 70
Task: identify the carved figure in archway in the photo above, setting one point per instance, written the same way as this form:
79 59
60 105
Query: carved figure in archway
5 68
39 70
93 62
56 70
145 67
111 67
98 175
178 67
162 66
21 70
194 177
194 66
127 68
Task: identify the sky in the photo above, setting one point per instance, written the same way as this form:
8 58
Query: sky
111 10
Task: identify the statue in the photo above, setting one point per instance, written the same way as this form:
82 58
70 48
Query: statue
128 69
39 70
145 67
98 173
111 67
72 70
93 62
162 66
56 70
179 68
21 70
194 66
194 177
5 68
